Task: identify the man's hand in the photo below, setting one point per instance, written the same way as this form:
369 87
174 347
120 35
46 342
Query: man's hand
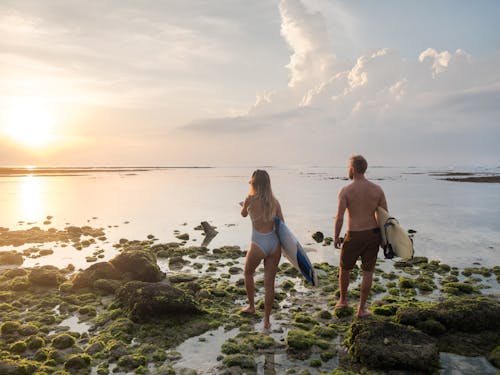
337 242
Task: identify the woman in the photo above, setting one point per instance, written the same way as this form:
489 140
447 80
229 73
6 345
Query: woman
262 207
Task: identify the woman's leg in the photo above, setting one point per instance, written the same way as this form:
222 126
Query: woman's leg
254 256
270 269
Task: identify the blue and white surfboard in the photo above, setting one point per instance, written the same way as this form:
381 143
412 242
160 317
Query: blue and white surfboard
294 252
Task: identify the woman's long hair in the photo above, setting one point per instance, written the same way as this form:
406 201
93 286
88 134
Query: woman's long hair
261 191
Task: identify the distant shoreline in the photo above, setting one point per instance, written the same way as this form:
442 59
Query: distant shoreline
78 171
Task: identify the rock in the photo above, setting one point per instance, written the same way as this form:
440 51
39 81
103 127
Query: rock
107 286
240 360
183 237
77 361
140 264
46 276
11 258
101 270
210 233
63 341
494 357
318 237
381 344
465 314
144 300
299 339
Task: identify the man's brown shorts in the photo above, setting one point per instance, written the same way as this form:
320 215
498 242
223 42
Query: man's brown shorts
364 244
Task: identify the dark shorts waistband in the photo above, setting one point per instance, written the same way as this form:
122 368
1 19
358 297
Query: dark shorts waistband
364 232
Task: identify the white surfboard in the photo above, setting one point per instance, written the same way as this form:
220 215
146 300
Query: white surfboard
294 252
395 240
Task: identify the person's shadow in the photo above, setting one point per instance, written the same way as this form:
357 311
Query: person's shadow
269 366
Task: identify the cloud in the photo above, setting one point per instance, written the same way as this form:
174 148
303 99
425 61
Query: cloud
379 103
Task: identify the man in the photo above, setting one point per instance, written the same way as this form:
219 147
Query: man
360 198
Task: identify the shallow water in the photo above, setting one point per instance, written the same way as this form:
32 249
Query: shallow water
457 223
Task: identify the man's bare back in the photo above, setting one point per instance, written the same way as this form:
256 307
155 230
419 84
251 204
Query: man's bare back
361 199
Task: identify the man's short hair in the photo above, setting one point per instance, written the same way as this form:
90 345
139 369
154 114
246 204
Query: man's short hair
359 163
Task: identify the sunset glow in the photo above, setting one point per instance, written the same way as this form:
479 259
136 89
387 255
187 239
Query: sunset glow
29 122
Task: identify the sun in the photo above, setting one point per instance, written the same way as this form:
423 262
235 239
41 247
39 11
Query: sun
29 121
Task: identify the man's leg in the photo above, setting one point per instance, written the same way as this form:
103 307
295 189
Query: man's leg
366 285
344 276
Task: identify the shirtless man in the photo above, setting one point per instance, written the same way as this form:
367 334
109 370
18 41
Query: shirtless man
361 199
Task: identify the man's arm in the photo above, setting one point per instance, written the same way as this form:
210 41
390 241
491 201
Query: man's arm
383 203
339 218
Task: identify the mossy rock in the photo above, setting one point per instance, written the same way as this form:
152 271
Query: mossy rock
63 341
463 314
494 357
381 344
141 265
18 347
304 318
46 276
406 283
10 327
458 288
318 237
315 362
300 339
18 366
144 300
240 360
325 331
131 361
106 286
77 362
19 284
11 258
35 342
325 314
343 312
431 327
101 270
28 330
259 341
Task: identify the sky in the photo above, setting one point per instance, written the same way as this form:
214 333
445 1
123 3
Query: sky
228 82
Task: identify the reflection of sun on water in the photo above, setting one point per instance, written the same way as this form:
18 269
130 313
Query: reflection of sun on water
29 121
30 204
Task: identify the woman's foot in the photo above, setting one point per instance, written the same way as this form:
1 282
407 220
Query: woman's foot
248 310
267 325
341 304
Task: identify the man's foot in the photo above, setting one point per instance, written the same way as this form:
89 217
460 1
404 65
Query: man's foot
364 313
248 310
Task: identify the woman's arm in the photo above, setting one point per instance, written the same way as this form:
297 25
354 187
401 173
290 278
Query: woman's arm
244 209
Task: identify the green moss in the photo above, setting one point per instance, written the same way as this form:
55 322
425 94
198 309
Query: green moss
494 357
78 361
63 341
431 327
35 342
131 361
459 288
10 327
299 339
240 360
343 312
325 314
406 283
259 341
18 347
325 331
232 347
315 362
28 330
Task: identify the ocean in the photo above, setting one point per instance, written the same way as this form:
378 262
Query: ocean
457 223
